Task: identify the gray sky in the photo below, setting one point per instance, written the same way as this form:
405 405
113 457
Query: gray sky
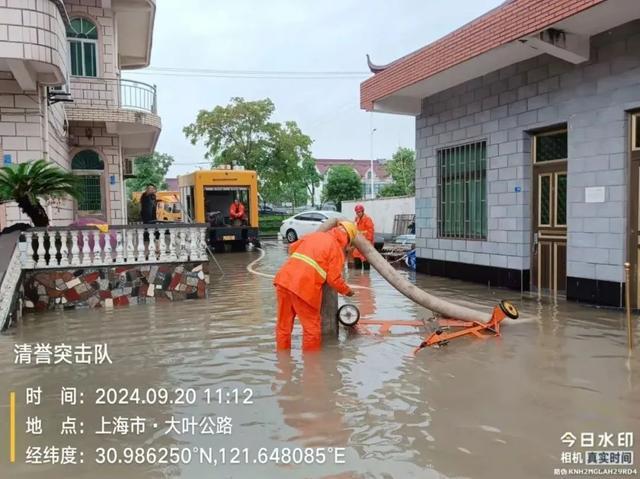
292 35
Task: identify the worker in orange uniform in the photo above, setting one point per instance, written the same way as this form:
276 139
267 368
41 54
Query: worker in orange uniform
236 211
365 226
315 259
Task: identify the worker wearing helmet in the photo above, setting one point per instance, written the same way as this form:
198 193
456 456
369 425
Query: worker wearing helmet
314 260
365 227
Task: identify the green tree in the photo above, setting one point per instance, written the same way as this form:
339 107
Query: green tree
243 133
28 183
310 177
342 184
239 133
402 168
150 168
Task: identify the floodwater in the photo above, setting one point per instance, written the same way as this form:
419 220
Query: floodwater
494 408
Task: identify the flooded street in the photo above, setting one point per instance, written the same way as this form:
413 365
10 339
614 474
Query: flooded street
494 408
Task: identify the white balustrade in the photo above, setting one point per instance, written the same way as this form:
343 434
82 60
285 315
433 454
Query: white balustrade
41 263
29 261
140 258
131 256
108 255
86 250
97 250
119 248
64 248
89 247
203 244
171 246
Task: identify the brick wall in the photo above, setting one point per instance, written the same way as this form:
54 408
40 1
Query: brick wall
592 98
21 137
33 30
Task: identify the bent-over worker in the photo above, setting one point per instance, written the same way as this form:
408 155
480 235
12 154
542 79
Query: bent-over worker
315 259
236 211
365 226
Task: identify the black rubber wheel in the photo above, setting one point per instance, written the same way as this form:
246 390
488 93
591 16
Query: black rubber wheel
291 236
509 309
348 315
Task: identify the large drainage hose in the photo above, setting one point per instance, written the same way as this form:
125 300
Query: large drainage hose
415 294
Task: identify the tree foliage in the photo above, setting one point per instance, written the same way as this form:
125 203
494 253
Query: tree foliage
29 183
402 168
243 133
150 168
343 184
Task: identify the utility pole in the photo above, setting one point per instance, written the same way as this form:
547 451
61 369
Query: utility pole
373 130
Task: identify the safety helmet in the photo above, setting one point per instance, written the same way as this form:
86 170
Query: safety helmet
359 208
350 228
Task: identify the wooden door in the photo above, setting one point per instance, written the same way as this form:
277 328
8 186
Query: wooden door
549 212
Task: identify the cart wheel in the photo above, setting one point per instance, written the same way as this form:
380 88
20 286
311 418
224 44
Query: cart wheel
348 315
509 309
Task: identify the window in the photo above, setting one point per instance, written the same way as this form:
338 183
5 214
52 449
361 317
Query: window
88 165
550 146
83 36
462 191
635 131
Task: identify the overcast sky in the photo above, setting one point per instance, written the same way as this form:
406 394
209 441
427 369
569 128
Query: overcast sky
292 35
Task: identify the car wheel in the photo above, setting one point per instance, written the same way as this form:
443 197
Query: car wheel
292 236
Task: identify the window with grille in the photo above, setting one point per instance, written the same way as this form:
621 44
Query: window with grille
550 146
462 191
83 35
635 132
88 166
90 193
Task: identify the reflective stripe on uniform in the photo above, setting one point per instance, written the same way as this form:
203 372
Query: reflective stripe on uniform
311 262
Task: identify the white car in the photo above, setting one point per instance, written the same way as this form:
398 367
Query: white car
304 223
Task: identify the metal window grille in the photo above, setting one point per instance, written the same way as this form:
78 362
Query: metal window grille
550 146
462 191
91 193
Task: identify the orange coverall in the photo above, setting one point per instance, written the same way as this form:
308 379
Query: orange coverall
365 227
236 212
315 259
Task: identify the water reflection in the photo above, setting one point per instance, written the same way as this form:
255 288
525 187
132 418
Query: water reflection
477 408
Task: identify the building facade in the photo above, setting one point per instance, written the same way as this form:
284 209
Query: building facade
527 142
362 169
62 97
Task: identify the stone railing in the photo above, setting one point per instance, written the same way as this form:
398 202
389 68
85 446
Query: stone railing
10 278
87 246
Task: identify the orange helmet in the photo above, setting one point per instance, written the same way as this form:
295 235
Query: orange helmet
350 229
359 208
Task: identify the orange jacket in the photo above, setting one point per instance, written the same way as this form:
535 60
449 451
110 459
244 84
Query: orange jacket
365 227
236 212
305 278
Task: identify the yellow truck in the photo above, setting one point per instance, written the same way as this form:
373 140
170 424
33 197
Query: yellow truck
168 206
207 196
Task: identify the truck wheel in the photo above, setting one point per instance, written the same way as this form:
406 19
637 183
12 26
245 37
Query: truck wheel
292 236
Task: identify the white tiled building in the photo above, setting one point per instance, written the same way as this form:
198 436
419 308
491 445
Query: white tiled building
52 47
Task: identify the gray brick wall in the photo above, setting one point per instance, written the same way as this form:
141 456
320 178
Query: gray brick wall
592 99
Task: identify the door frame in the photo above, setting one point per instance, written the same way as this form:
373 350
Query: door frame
633 211
557 233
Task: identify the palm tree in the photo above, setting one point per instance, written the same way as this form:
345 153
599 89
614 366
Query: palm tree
28 183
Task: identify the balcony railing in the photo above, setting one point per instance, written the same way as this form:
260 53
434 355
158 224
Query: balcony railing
135 95
82 246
